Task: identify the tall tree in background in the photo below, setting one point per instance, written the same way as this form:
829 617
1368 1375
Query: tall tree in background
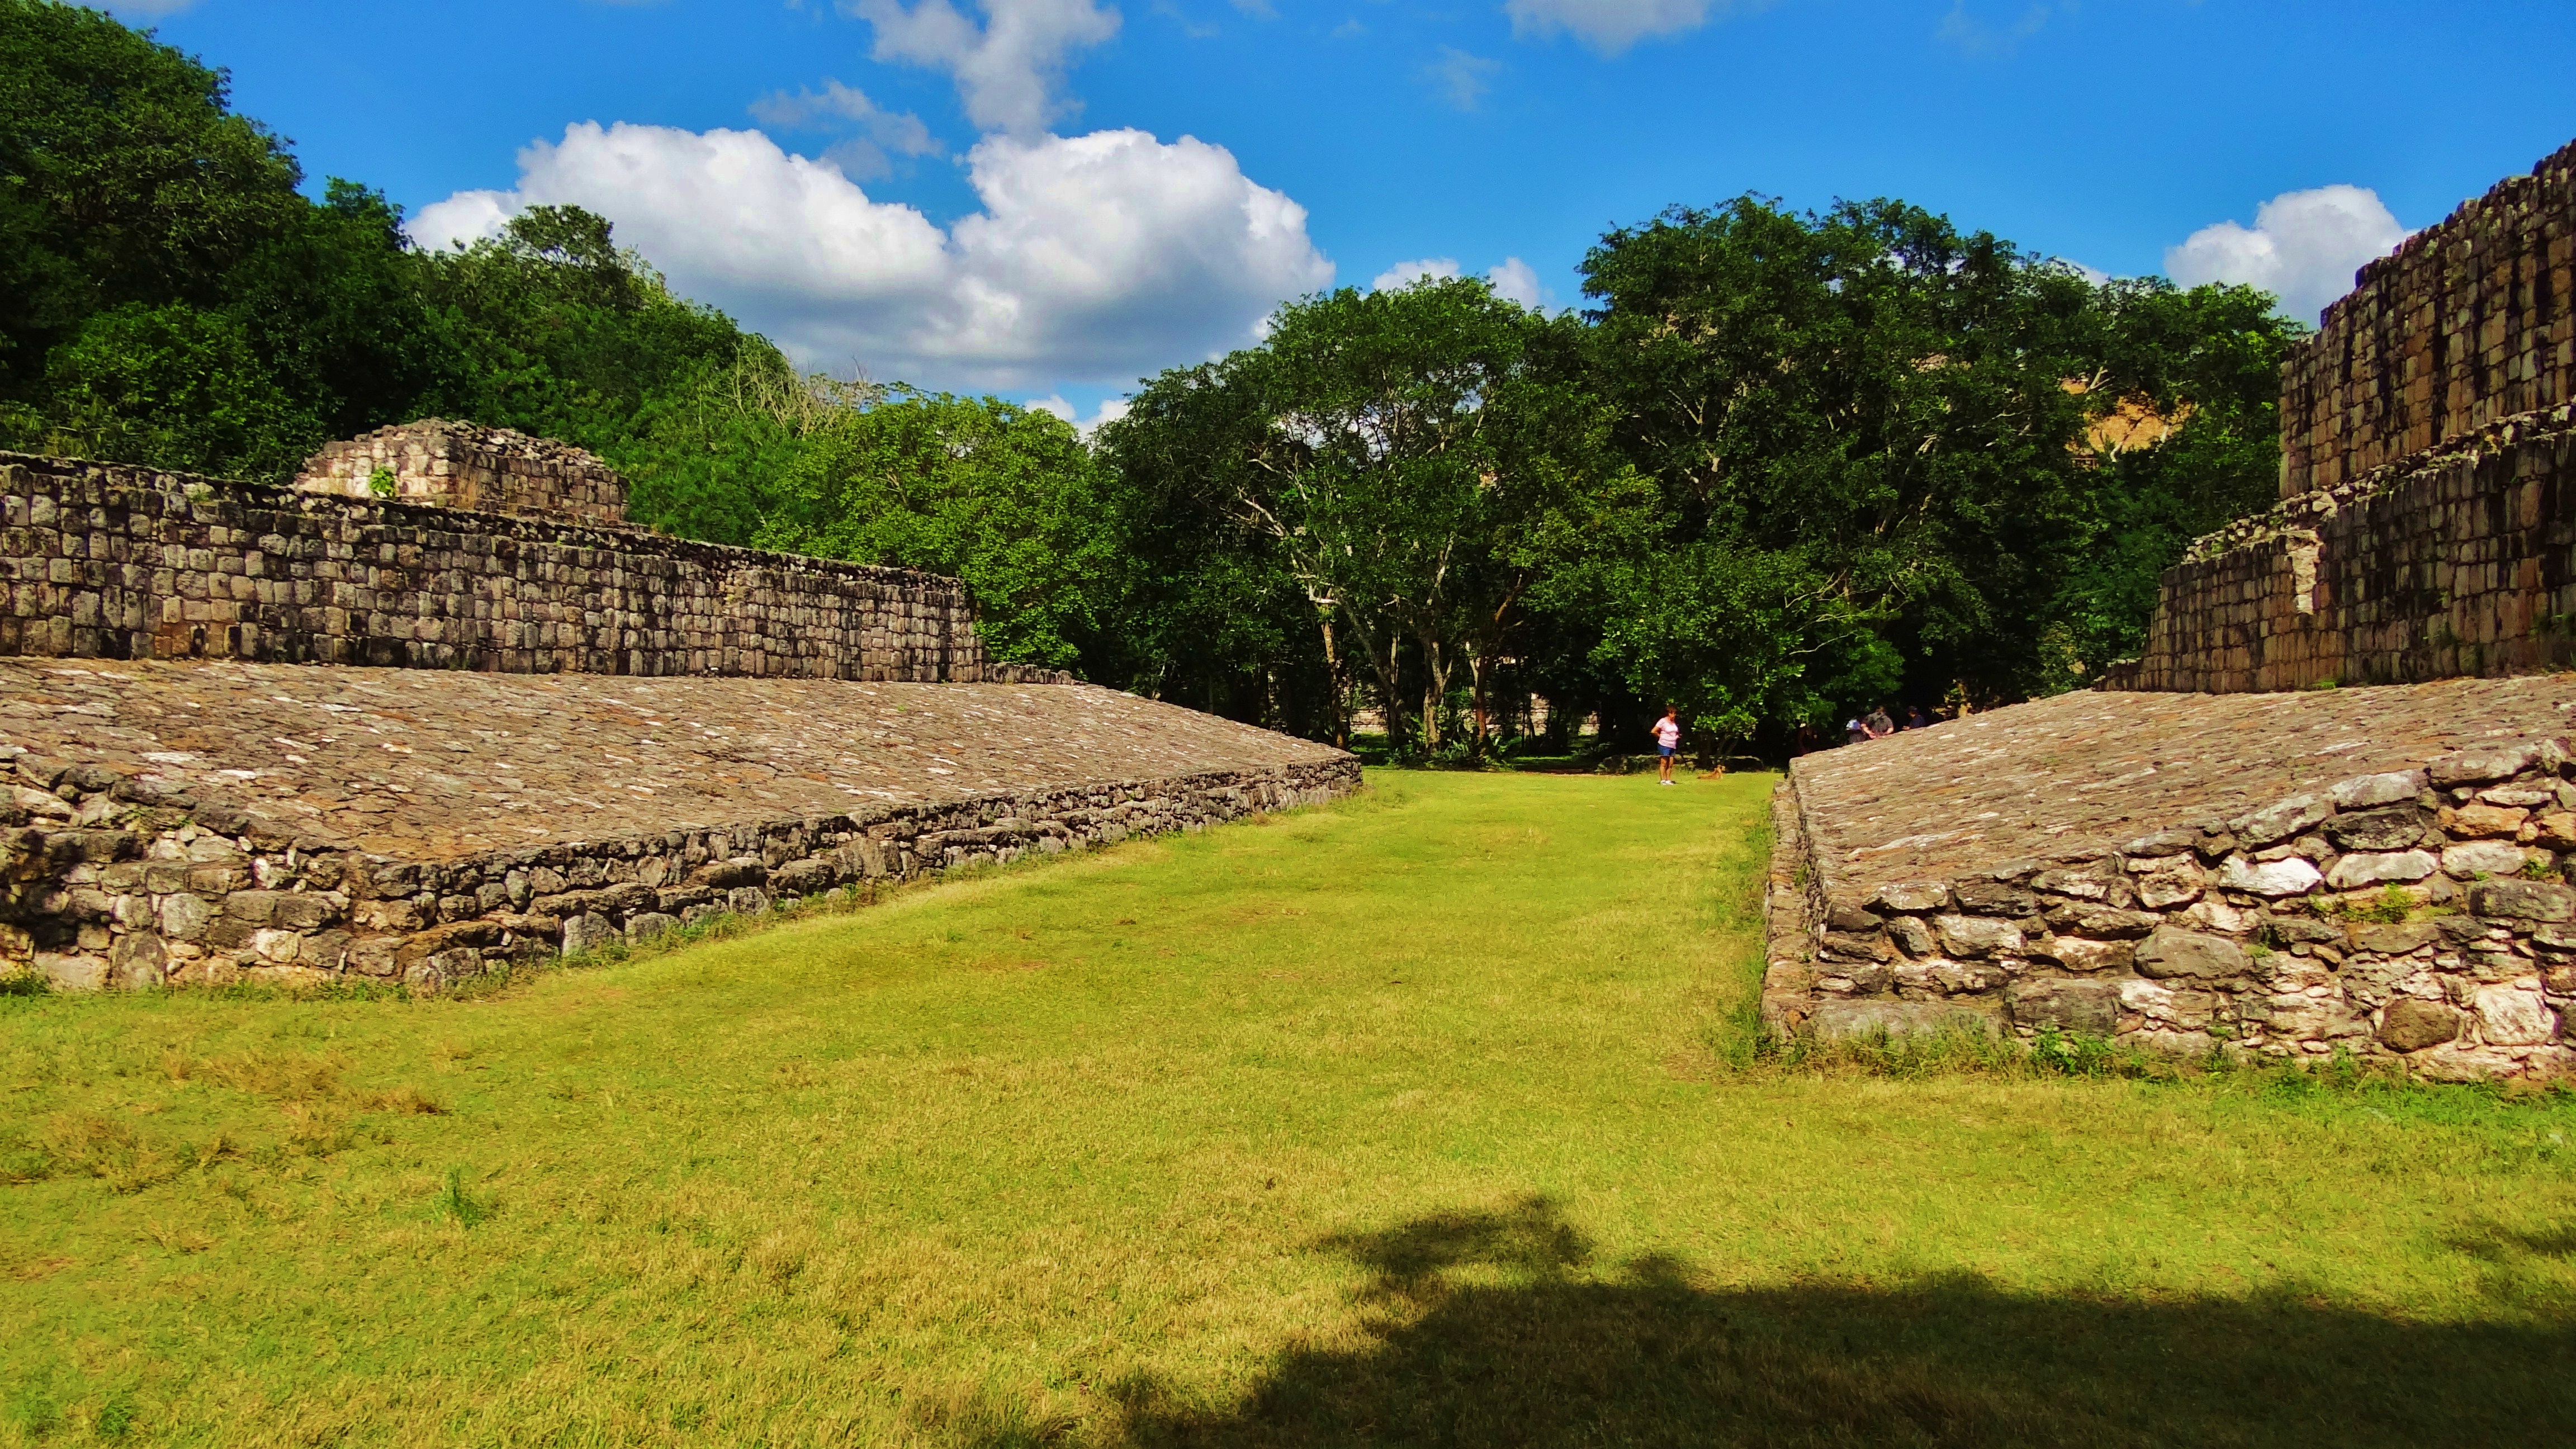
1407 456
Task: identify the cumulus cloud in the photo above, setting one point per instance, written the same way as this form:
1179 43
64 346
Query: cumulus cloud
863 156
1093 258
1611 26
1404 274
1010 69
2304 247
1461 79
1517 281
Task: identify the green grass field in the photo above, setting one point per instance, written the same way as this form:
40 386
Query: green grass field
1406 1121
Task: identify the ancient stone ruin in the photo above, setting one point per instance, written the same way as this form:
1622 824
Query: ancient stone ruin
458 465
2332 808
587 733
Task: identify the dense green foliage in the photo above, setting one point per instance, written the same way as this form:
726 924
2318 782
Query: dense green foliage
1786 465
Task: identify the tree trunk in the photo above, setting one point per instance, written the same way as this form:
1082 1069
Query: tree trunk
1435 687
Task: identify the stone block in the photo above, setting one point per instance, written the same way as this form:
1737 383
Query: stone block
2091 1008
2355 872
1977 936
2522 900
2411 1025
2386 829
2293 876
2172 952
2484 857
1832 1019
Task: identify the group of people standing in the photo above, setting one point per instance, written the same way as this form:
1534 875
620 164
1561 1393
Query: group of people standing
1878 724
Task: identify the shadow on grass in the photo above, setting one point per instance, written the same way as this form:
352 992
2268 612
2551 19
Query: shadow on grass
1537 1349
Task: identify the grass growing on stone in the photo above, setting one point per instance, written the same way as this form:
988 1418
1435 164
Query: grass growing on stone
1405 1121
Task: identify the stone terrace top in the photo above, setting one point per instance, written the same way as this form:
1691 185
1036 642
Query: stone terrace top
2083 773
429 765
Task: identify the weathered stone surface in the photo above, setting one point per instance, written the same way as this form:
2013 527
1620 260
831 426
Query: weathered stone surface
2394 828
2171 952
2514 1016
1899 1018
2174 881
2281 821
2484 822
2483 857
1912 936
2478 767
1976 936
2076 953
2290 877
2354 872
2089 1007
1915 897
2523 899
2409 1025
2363 791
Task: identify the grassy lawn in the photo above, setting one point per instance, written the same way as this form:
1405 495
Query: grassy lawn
1399 1122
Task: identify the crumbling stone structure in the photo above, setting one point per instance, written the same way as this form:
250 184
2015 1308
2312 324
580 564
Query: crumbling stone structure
589 732
2375 872
2428 475
2214 854
212 822
458 465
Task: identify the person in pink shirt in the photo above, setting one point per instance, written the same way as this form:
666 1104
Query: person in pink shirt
1668 741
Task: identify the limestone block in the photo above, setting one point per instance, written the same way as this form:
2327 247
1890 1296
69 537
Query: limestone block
1975 936
2281 821
2514 1015
2172 952
2089 1007
2522 899
2290 877
2354 872
2394 828
1899 1018
2411 1025
2483 857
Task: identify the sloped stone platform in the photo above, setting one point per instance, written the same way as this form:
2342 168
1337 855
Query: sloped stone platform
2197 870
207 821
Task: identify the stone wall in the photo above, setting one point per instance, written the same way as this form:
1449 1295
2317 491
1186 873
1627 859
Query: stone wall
2457 562
107 561
2470 322
459 465
117 880
2379 872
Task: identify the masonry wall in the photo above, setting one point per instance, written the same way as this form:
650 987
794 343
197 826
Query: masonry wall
102 560
2461 563
2296 931
115 881
2469 322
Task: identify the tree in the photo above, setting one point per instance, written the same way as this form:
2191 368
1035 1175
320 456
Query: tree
1405 454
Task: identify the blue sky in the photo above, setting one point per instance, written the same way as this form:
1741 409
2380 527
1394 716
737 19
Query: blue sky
999 195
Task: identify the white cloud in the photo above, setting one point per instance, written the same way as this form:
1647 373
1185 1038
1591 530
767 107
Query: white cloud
1094 258
1110 410
1517 281
1009 71
1404 274
862 157
2304 247
1461 79
1611 26
133 10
